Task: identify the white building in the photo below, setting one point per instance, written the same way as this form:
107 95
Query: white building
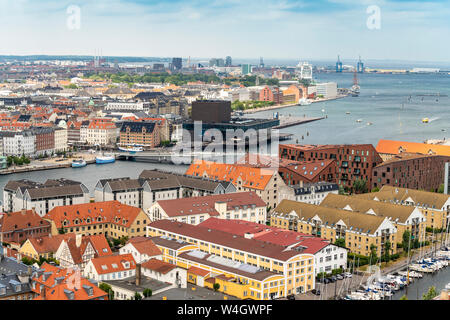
110 268
127 106
327 89
329 258
19 143
142 249
312 193
60 139
99 133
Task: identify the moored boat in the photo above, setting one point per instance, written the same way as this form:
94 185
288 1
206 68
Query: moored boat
105 159
78 163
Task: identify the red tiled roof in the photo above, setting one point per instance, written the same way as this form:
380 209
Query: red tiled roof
206 204
198 271
98 212
21 220
145 246
158 266
396 147
104 265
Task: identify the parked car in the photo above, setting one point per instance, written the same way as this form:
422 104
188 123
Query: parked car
333 278
290 297
326 280
316 292
347 275
339 277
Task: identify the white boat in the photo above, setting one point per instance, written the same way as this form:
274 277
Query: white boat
359 120
78 163
105 159
304 102
369 123
348 112
131 149
447 287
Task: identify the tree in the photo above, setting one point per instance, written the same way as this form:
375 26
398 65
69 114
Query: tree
107 288
137 296
404 297
441 188
147 292
341 190
430 294
28 261
373 254
376 189
340 242
387 251
216 286
360 186
406 242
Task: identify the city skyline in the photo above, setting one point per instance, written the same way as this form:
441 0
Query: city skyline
296 29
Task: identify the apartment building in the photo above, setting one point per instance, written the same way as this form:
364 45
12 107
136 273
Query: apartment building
43 247
45 140
295 172
402 217
113 267
389 148
359 230
73 131
17 227
61 139
265 182
242 205
355 161
142 249
18 143
43 197
413 171
110 218
15 279
435 207
246 268
312 193
154 185
140 133
98 132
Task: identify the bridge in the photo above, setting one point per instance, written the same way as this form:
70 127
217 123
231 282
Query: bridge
177 157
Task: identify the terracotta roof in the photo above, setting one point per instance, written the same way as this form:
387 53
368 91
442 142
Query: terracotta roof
253 178
21 220
98 212
158 266
198 271
104 265
49 243
206 204
145 246
395 147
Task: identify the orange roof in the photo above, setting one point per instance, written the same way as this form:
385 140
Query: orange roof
158 266
253 178
123 262
198 271
62 284
396 147
49 243
104 212
145 245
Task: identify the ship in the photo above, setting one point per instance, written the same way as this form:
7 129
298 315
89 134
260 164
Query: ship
131 149
304 102
355 89
105 159
78 163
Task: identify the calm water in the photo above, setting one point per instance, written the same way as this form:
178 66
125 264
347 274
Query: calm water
380 102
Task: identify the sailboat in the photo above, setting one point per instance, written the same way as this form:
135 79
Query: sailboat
105 158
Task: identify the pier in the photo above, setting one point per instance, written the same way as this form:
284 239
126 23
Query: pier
295 121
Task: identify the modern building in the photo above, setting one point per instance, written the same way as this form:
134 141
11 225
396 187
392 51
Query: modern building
209 111
412 171
326 90
354 161
177 63
388 148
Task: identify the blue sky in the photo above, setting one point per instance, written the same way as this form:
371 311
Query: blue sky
286 29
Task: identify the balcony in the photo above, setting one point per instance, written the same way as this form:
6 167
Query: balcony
357 159
357 172
344 164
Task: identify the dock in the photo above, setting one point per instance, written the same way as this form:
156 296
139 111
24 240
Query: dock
293 121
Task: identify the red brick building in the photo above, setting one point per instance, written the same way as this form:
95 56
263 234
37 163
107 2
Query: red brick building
271 94
19 226
294 172
353 161
413 171
45 140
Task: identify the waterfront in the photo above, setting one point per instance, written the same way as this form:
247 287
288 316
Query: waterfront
384 101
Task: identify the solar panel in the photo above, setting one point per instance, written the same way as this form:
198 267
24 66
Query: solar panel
197 254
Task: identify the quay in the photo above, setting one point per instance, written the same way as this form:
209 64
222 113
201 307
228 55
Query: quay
292 121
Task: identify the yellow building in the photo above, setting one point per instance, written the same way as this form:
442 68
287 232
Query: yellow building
44 247
253 269
359 230
434 206
111 218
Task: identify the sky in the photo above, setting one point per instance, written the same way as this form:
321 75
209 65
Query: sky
285 29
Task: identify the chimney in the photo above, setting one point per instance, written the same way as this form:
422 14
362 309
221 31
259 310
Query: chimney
138 274
23 211
301 183
43 292
78 238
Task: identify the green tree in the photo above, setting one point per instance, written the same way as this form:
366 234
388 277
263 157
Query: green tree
108 289
373 254
430 294
406 241
375 189
404 297
387 251
28 261
441 188
341 190
360 186
147 292
216 286
340 242
137 296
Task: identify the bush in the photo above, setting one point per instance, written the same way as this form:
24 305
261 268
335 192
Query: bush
147 292
216 286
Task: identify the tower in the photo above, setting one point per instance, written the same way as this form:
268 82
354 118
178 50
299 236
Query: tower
339 65
261 62
360 66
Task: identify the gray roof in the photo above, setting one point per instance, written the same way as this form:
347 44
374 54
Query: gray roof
146 283
56 191
13 286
